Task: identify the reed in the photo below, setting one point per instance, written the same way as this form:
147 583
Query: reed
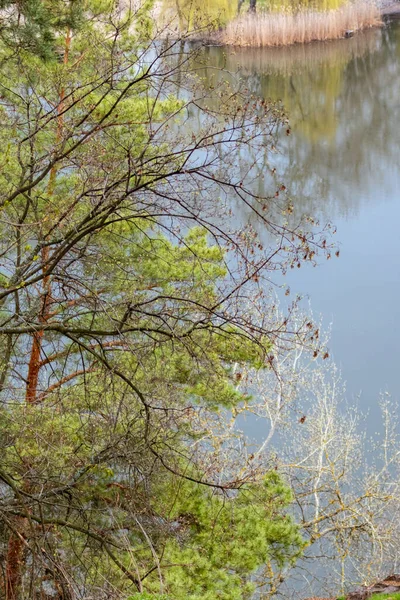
286 28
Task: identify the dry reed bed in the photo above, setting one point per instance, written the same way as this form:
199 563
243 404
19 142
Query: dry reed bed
300 57
282 29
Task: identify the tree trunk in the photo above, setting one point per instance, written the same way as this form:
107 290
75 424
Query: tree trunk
34 361
16 546
14 560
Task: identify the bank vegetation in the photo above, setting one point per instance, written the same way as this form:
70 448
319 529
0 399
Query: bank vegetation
266 24
288 27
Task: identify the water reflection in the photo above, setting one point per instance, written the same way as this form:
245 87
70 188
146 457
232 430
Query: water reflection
343 102
341 163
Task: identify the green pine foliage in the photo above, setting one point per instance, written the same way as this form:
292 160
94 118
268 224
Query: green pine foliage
34 25
229 538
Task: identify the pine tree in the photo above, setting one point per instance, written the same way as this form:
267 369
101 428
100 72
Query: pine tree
124 321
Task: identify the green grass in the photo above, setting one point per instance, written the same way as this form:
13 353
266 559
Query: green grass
385 597
393 596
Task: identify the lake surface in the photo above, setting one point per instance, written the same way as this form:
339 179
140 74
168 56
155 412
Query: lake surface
342 164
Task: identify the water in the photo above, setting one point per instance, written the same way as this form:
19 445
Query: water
342 164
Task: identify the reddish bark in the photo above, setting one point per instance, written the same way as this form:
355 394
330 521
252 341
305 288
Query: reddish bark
15 549
35 356
14 559
34 361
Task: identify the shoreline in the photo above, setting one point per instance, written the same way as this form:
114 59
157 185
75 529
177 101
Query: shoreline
277 29
262 30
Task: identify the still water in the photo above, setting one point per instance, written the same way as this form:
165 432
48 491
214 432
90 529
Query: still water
342 164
